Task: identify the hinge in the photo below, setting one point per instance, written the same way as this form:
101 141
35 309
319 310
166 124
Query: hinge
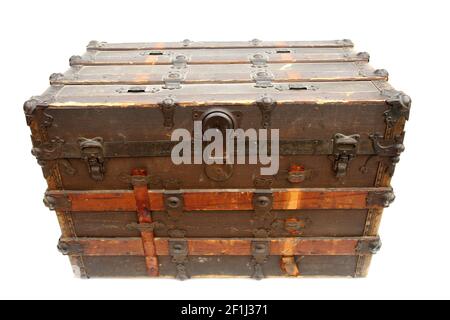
168 109
263 79
400 105
380 198
92 152
266 105
172 80
260 254
344 150
61 202
368 246
259 60
178 250
179 61
69 248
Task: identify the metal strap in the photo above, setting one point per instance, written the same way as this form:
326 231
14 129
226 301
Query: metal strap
179 252
140 188
260 254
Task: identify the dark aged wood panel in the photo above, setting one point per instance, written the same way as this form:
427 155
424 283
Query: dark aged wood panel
225 224
219 266
228 247
208 200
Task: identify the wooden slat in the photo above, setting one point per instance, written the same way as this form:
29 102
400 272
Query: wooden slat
96 45
217 56
216 73
229 247
190 95
207 200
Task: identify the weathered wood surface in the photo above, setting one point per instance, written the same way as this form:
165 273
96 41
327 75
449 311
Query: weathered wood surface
195 95
218 247
255 43
207 200
217 73
219 56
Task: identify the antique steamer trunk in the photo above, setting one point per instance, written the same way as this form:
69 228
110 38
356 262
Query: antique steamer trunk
102 134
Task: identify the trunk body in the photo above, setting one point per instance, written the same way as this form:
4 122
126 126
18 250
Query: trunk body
102 134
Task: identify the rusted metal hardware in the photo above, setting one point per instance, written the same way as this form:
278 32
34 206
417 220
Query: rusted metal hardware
179 252
263 79
260 254
399 107
61 202
76 60
174 205
344 150
289 266
369 247
364 55
54 77
30 107
94 44
92 152
266 105
168 109
255 42
173 80
69 248
51 150
298 174
380 198
382 73
259 60
179 61
262 204
393 149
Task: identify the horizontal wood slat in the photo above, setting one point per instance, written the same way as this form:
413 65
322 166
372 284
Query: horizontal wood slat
218 56
228 247
206 200
97 45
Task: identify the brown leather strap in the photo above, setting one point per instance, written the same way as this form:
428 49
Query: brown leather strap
144 216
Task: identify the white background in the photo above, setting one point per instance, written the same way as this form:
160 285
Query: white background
408 38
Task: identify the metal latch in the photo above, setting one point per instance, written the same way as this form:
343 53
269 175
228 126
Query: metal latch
260 254
179 252
394 149
92 152
344 150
